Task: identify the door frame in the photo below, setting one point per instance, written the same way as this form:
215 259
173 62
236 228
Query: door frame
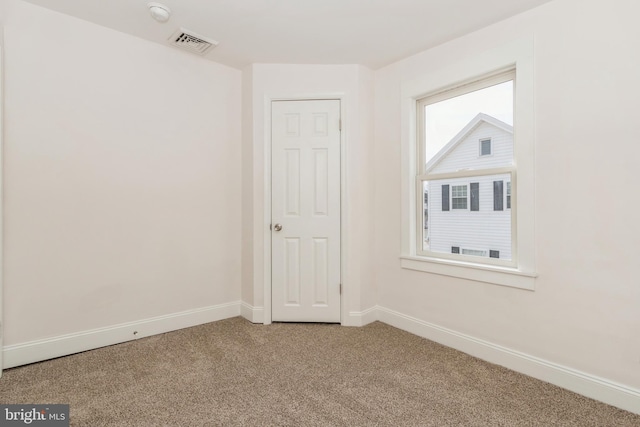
267 279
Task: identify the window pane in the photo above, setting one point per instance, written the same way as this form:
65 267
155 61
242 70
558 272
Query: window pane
459 191
425 216
474 252
459 203
485 147
468 215
454 128
477 233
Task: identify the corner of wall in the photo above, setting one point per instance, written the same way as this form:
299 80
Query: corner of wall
247 252
251 313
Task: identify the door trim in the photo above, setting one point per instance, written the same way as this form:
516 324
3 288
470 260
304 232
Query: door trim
267 197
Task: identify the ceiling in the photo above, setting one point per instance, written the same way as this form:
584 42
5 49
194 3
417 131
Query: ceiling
373 33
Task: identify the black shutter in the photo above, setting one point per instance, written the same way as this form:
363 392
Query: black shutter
494 254
475 196
445 197
455 249
498 197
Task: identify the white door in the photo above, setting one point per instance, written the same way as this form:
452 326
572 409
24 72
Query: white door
305 215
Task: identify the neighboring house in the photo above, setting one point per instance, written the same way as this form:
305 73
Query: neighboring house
472 216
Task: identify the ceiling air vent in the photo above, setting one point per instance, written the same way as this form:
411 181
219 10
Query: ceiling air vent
192 42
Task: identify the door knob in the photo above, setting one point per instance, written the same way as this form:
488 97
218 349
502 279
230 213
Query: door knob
277 227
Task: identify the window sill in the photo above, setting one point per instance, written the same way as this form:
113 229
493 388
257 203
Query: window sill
502 276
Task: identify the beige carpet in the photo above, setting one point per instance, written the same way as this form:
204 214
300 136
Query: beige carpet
234 373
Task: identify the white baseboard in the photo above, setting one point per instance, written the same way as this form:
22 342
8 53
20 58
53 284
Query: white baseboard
361 318
588 385
579 382
251 313
63 345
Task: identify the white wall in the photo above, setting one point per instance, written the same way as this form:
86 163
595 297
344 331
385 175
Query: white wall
355 85
122 178
584 313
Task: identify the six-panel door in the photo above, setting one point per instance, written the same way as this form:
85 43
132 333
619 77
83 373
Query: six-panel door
306 209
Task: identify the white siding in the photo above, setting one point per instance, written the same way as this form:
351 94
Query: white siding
485 229
466 155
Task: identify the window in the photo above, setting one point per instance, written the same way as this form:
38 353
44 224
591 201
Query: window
450 125
436 168
459 197
485 147
474 252
425 212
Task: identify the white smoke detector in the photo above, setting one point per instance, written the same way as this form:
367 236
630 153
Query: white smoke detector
159 12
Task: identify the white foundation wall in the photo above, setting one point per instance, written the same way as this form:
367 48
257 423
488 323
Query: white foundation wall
122 178
584 313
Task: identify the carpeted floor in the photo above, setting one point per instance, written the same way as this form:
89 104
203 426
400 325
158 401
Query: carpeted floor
234 373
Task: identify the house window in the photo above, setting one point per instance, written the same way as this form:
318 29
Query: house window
474 252
425 213
461 183
435 159
459 197
485 147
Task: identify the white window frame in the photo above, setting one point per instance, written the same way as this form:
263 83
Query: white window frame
478 83
490 147
467 195
520 271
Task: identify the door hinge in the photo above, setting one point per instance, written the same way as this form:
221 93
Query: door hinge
340 125
270 227
340 288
